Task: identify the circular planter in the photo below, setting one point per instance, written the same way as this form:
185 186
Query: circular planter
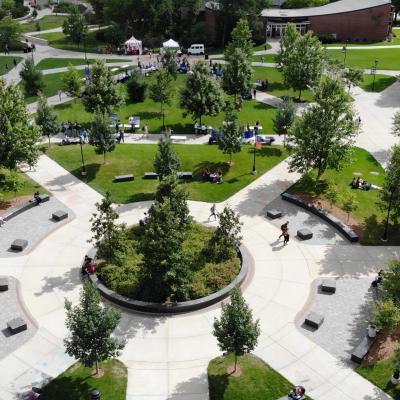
178 307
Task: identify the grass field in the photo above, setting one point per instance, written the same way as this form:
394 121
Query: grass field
381 82
49 63
257 380
275 83
138 159
9 61
45 23
368 214
76 383
149 113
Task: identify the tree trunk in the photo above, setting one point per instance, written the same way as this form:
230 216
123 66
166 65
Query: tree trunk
284 140
97 367
104 157
230 160
162 113
234 368
299 94
49 140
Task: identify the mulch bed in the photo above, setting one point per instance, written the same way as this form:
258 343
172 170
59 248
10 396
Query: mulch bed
384 346
5 205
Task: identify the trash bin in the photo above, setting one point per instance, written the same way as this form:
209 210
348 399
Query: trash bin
206 56
95 395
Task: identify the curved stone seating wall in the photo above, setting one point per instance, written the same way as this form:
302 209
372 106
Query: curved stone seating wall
24 207
178 307
348 233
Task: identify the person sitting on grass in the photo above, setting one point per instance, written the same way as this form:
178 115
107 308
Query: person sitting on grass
219 175
353 184
206 173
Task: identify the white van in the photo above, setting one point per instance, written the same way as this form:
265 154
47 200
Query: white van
196 49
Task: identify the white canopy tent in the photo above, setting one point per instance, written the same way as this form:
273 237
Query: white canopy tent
171 44
133 46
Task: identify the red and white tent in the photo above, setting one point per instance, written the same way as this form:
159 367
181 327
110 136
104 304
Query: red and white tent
133 46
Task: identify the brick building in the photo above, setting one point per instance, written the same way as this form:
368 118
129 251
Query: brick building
369 20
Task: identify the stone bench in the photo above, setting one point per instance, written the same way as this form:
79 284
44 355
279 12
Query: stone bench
328 285
150 175
273 214
184 175
3 284
15 211
314 320
19 244
304 234
17 325
124 178
348 233
177 138
362 349
44 197
59 215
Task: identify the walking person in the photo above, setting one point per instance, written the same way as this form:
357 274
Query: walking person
59 94
213 211
286 237
254 93
284 229
15 62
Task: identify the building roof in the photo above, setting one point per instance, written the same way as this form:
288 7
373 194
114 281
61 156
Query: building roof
342 6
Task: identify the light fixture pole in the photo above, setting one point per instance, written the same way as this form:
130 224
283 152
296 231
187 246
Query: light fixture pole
374 72
254 171
83 171
385 232
344 50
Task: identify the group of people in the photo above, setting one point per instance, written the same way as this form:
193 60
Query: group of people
214 177
216 70
362 184
87 266
297 393
285 233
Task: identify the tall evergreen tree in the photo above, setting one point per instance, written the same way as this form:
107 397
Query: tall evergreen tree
32 78
102 135
202 95
90 326
231 141
72 82
236 331
284 118
168 62
241 38
166 162
74 26
46 118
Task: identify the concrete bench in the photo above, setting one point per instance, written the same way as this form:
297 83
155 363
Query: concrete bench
150 175
44 197
184 175
124 178
304 234
60 215
273 214
19 244
17 325
15 211
362 349
314 320
179 138
3 284
328 285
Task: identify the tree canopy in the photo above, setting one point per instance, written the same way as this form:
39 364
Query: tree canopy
241 38
102 135
231 140
166 162
46 118
10 31
72 82
74 26
32 78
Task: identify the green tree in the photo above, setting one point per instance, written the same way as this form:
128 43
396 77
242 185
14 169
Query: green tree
386 314
322 138
13 182
161 90
349 202
284 118
32 78
10 32
396 124
202 95
102 135
46 118
231 141
168 62
102 93
18 138
353 77
241 38
391 281
90 326
166 162
72 82
238 74
332 193
236 331
301 62
287 45
74 26
305 3
165 270
391 191
136 87
226 238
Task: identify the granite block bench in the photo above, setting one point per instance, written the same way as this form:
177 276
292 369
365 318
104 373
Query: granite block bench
362 349
328 285
304 234
19 244
44 197
124 178
184 175
273 214
59 215
3 284
17 325
314 320
150 175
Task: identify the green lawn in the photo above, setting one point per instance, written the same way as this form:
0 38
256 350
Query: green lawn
370 217
76 383
381 82
387 58
60 41
9 61
45 23
148 111
275 83
262 47
394 42
258 381
49 63
379 374
267 58
138 158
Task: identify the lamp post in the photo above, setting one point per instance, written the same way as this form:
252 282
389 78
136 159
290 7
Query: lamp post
254 171
83 171
373 71
344 51
385 232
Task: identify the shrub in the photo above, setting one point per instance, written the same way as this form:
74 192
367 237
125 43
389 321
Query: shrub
63 8
136 87
326 38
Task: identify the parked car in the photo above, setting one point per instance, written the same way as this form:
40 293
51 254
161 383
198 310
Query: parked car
196 49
